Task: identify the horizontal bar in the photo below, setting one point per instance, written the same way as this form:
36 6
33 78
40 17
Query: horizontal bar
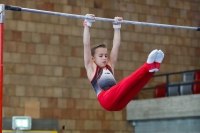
16 8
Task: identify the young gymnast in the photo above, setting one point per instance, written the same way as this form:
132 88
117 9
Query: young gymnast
100 69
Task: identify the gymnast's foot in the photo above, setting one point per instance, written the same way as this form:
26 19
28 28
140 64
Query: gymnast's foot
151 59
158 60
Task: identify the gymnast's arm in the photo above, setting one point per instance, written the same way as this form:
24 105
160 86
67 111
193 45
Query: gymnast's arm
90 18
116 44
87 50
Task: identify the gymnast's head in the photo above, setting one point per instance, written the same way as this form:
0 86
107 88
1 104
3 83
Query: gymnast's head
99 54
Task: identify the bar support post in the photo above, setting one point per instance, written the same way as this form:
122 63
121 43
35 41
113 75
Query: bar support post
2 17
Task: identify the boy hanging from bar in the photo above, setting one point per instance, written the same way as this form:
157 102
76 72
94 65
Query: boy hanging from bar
114 96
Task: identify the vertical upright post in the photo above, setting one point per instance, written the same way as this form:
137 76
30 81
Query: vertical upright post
2 15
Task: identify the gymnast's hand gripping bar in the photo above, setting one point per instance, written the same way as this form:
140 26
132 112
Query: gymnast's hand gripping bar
16 8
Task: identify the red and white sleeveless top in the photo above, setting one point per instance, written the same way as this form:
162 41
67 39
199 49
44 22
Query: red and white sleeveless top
103 79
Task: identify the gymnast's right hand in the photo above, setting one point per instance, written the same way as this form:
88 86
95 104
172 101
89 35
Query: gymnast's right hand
90 18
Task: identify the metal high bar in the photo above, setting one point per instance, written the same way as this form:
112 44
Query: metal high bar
17 8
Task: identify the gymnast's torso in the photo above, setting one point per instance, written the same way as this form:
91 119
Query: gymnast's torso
103 79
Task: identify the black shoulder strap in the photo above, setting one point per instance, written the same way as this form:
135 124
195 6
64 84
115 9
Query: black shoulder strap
109 68
99 72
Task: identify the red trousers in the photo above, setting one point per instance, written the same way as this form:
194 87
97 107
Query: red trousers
118 96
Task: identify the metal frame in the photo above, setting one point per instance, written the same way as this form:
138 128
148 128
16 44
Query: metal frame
2 17
16 8
172 85
2 13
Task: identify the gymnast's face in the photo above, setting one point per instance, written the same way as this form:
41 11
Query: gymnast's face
101 57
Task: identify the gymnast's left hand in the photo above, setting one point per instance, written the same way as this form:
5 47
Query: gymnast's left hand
117 22
90 18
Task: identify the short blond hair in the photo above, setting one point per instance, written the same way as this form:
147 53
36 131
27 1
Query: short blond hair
94 47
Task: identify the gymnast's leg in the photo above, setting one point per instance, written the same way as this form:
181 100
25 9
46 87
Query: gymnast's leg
117 97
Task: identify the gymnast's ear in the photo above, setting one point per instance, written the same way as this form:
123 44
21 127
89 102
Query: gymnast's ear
93 58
